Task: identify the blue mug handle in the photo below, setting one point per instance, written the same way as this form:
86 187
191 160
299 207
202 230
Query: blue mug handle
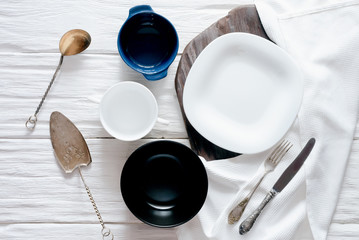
138 9
156 76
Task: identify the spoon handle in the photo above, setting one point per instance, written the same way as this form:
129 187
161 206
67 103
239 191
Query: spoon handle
31 122
106 232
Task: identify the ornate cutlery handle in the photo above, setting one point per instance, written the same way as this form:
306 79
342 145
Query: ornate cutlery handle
31 122
238 210
247 224
106 232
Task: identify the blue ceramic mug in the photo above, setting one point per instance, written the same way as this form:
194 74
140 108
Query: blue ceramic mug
147 42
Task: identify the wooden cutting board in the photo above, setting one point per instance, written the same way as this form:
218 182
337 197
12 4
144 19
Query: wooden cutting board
241 19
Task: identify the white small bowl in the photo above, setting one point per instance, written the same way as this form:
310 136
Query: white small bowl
128 111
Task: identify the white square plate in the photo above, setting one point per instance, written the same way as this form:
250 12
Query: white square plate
243 93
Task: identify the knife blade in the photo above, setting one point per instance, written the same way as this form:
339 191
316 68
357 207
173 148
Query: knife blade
281 183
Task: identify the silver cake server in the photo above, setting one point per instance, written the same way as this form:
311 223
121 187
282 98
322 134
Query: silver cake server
72 152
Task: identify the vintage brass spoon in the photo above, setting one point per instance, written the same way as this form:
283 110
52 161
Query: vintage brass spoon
73 42
72 152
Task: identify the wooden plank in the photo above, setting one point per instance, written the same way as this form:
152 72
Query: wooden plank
346 213
345 222
35 27
60 231
83 231
343 231
240 19
76 93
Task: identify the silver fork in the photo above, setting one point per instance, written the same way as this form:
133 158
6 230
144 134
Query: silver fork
269 165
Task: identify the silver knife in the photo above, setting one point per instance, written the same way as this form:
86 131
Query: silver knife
284 179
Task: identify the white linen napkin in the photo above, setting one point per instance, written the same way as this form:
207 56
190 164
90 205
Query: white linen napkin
323 38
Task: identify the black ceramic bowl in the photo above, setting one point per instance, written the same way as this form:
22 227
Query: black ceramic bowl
164 183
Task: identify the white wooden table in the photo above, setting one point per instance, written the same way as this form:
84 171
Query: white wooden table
38 200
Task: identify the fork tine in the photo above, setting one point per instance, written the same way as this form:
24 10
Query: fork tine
276 150
283 151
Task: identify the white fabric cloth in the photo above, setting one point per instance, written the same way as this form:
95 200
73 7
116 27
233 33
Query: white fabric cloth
323 38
